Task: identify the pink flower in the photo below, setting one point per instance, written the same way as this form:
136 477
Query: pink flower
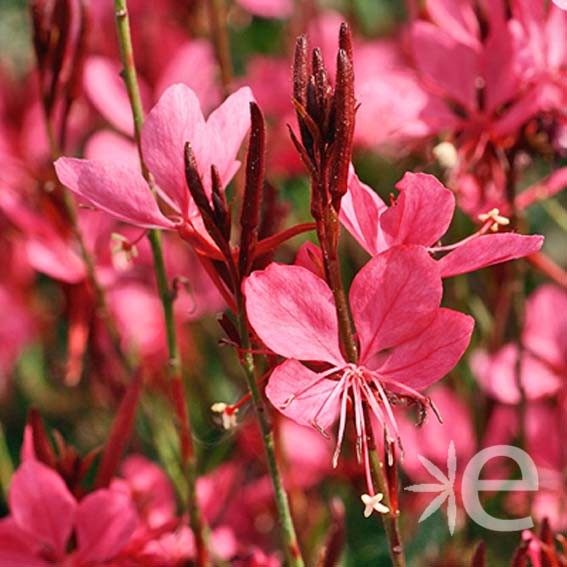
539 32
544 355
420 216
406 341
45 516
475 74
191 63
268 8
176 119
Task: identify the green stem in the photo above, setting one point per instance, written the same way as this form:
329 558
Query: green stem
6 465
166 296
391 524
293 553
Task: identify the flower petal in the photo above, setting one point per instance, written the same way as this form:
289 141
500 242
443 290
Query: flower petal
105 521
226 128
488 250
454 75
42 505
107 92
149 482
17 547
291 378
545 328
429 356
456 18
268 9
496 374
293 312
393 297
360 213
173 121
193 64
114 188
422 212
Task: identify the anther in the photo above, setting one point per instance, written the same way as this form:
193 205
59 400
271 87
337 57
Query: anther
373 504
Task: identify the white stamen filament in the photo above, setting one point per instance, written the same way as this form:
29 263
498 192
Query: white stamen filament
362 386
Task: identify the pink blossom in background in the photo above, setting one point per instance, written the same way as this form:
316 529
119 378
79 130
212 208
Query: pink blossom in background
544 356
268 8
433 438
544 429
44 516
192 64
446 81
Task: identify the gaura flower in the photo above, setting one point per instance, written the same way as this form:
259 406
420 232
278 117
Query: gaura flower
421 216
543 357
46 517
120 189
406 342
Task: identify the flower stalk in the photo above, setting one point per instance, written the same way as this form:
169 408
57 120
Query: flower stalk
236 267
326 125
178 393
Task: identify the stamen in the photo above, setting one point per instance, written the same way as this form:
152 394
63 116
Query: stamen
387 405
495 218
228 414
491 221
337 388
342 426
320 429
358 419
435 410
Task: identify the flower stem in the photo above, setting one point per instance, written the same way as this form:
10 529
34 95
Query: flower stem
166 296
333 274
293 553
391 524
217 22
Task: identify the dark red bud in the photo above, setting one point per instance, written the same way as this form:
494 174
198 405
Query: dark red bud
220 207
197 190
255 166
345 108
